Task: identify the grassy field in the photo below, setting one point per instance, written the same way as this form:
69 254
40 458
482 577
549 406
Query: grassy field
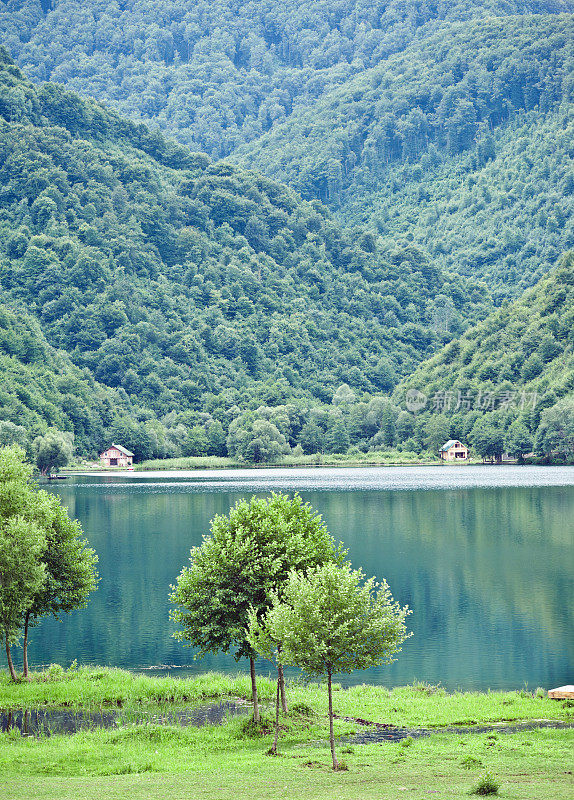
217 763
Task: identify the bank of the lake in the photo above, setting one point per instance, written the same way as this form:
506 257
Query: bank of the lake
221 762
352 459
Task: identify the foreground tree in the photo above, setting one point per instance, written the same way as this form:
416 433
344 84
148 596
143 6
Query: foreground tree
247 557
70 567
22 576
45 565
328 621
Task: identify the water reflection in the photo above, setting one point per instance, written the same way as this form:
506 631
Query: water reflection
487 571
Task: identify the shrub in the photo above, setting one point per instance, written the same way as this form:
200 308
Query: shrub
487 784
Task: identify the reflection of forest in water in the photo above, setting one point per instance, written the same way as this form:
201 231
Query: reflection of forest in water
487 572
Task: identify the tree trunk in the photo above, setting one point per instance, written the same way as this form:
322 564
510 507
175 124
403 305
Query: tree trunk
276 740
256 717
331 733
25 645
10 663
281 678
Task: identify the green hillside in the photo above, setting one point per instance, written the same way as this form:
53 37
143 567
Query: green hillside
507 220
42 389
508 382
467 134
195 286
222 73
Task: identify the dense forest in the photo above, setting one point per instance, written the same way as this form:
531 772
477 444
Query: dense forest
218 74
507 384
448 122
393 171
464 142
196 286
42 389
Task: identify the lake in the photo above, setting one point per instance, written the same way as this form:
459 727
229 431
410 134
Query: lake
484 556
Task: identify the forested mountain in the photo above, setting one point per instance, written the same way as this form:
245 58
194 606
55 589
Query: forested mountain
508 382
445 122
223 312
196 285
506 221
42 389
220 73
463 141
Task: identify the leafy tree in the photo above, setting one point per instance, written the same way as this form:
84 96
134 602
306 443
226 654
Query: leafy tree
196 442
327 622
556 429
256 440
311 438
70 567
22 575
53 450
518 439
437 432
12 434
57 568
343 395
487 438
248 554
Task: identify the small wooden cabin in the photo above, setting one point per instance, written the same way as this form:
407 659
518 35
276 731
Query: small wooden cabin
453 450
116 456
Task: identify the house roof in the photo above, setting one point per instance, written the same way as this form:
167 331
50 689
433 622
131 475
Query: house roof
449 444
121 449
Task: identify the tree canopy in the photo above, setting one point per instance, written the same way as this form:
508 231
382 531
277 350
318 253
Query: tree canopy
327 620
248 554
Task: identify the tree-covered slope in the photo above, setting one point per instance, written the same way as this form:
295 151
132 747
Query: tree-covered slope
40 388
220 73
507 379
463 141
506 219
197 285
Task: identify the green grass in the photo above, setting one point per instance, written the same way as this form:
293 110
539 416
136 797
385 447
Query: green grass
216 764
223 762
420 704
351 459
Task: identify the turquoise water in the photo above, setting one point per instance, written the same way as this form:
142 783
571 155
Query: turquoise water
484 556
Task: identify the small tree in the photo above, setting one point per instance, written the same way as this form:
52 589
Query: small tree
40 539
248 555
52 451
327 622
22 576
70 567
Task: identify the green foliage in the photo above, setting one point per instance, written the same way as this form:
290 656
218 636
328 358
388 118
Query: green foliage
555 433
479 386
148 266
328 622
459 143
46 567
22 574
42 389
52 451
325 622
248 555
486 785
216 86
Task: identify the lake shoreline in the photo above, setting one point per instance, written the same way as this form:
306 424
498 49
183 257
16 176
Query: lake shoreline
199 464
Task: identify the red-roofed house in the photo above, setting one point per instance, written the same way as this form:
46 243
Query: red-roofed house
116 456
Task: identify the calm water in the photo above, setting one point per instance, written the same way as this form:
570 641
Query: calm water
483 555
